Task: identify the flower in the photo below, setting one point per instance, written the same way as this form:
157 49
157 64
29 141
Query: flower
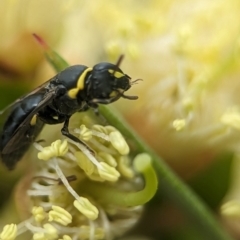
75 194
187 53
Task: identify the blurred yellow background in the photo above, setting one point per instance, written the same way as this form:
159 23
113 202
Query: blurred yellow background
186 52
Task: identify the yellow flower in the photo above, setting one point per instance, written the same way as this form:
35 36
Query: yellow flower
70 191
187 53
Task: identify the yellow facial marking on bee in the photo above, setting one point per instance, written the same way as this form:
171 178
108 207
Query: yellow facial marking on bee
72 93
116 74
33 120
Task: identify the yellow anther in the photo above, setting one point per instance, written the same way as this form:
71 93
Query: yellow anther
38 214
119 142
57 148
9 232
84 163
108 173
60 215
51 231
108 158
231 118
95 177
39 236
86 208
179 124
100 128
85 133
109 129
231 209
124 168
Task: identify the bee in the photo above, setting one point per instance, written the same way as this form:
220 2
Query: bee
75 89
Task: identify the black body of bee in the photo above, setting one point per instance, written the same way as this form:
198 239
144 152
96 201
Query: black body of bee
77 88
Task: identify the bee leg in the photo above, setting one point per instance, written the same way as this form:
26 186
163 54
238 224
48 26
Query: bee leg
66 133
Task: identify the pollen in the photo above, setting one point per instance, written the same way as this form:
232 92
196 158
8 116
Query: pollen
9 232
57 148
84 163
86 208
108 158
124 167
60 215
68 191
38 214
85 133
119 142
51 231
108 173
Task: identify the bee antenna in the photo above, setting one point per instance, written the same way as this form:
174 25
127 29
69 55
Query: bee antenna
118 63
136 81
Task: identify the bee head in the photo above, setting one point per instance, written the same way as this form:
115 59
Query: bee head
108 80
107 83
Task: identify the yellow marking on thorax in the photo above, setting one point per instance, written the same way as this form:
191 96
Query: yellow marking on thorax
72 93
33 120
116 73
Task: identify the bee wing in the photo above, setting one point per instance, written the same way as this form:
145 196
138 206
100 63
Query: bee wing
34 91
19 134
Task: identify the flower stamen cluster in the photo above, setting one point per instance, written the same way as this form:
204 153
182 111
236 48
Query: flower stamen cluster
63 188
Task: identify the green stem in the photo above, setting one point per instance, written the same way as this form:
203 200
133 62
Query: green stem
109 194
171 185
56 61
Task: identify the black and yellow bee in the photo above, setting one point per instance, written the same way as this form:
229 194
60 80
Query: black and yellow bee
75 89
